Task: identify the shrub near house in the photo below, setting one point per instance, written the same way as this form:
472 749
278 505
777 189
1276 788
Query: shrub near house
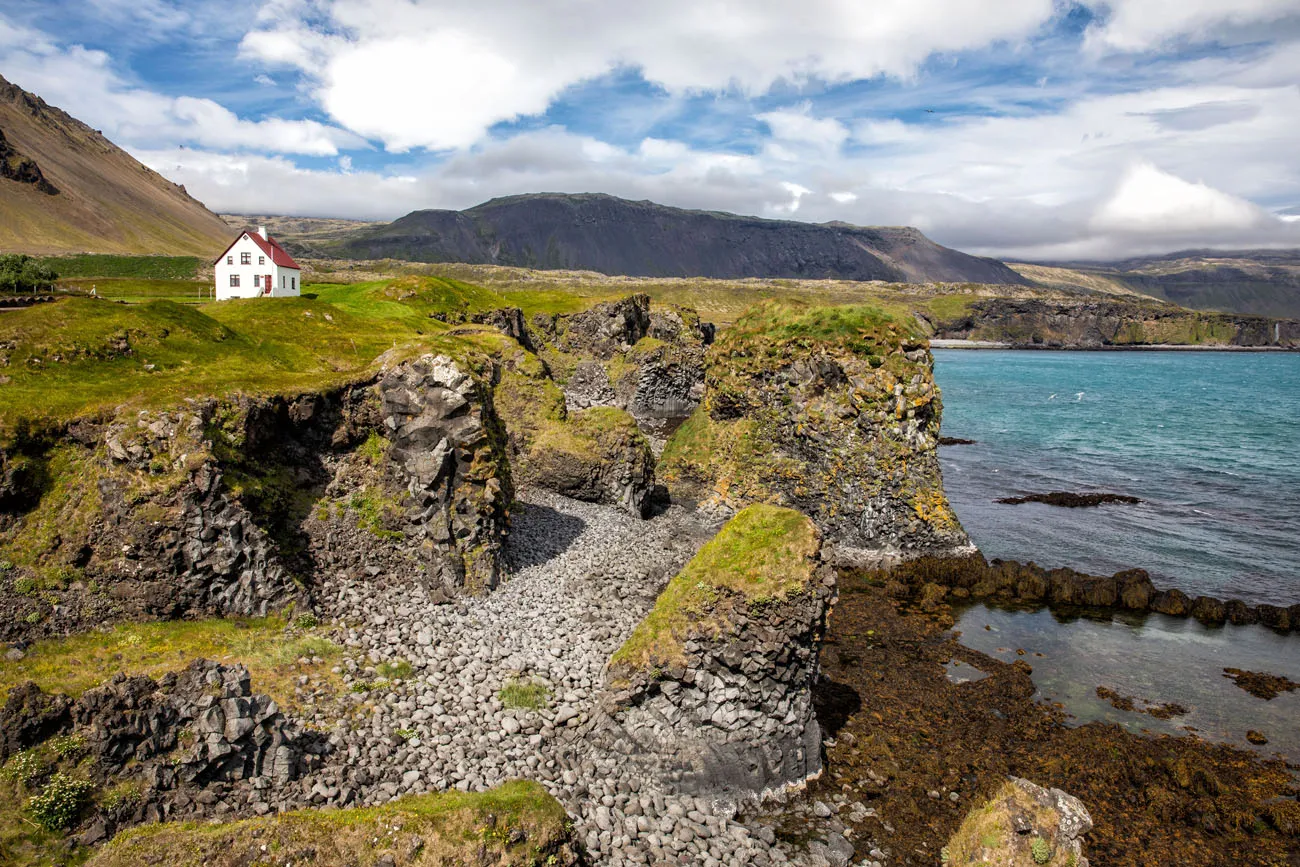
20 273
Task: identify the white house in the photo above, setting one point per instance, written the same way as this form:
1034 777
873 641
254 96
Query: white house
256 266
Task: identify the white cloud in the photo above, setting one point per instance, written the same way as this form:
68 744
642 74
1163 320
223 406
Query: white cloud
419 73
797 125
1135 25
83 83
1150 200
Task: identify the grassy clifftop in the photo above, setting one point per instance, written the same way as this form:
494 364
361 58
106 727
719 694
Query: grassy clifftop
514 825
764 554
81 356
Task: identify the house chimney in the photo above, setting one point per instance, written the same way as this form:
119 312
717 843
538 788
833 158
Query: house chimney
261 230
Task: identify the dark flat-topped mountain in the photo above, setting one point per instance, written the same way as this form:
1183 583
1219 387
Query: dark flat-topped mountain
642 239
64 188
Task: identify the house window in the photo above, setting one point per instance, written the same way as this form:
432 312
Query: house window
234 280
230 260
283 281
293 282
245 258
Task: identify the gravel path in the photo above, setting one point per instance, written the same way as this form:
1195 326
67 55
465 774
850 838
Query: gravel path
582 577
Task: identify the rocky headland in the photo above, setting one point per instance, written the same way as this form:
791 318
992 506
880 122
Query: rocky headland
596 547
1108 323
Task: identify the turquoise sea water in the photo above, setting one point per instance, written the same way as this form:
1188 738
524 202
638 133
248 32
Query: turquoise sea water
1209 440
1211 443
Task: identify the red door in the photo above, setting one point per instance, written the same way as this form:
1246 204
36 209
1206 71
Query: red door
268 285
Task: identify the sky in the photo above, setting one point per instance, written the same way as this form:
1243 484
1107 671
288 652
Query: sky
1025 129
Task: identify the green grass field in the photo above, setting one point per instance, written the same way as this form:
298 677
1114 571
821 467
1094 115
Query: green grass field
74 664
137 290
80 355
140 267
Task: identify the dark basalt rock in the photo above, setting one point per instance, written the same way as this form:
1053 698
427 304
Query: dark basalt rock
955 441
448 448
23 169
1135 589
191 740
735 719
1068 500
29 717
1008 581
1175 603
1275 617
663 383
1209 610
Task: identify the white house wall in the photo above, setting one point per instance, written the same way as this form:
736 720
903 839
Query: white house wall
284 281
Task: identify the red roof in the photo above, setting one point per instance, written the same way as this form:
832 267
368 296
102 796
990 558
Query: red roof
270 247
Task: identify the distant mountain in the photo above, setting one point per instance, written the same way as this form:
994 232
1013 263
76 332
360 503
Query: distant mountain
64 188
1261 282
596 232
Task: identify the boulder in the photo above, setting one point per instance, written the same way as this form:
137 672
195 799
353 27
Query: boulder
1274 617
30 716
1023 823
1135 589
1175 603
1209 610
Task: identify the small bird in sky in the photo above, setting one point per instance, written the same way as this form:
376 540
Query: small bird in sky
929 111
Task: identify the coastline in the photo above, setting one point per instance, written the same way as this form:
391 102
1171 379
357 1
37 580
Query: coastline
945 343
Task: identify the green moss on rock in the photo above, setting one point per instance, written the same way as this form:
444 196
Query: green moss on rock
762 555
513 825
829 410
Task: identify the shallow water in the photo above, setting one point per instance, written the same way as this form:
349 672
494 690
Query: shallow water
1209 440
1211 443
1155 658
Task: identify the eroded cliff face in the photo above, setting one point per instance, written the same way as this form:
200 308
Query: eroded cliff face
590 402
1095 324
831 411
234 507
179 745
714 688
627 354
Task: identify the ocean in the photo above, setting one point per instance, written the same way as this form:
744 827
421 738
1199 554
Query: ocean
1210 441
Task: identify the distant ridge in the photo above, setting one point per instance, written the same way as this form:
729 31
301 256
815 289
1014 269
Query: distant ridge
1260 282
597 232
64 188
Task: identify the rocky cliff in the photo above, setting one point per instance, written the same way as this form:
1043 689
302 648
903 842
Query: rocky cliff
180 746
1096 324
832 411
234 507
715 686
616 236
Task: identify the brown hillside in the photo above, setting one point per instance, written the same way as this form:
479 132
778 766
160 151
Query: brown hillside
64 188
